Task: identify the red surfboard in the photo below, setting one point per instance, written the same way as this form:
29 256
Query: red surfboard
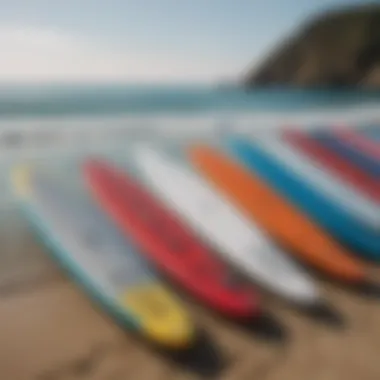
334 163
359 142
167 242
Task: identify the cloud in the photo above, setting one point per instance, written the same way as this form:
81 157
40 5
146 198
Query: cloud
35 54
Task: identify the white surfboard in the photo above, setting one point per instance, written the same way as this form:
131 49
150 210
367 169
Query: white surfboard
341 193
100 258
219 223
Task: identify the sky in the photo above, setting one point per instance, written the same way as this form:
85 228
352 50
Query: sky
143 40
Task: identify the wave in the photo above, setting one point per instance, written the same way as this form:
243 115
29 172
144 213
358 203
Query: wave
62 141
59 132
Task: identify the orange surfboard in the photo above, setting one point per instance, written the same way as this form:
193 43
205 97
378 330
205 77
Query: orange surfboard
280 219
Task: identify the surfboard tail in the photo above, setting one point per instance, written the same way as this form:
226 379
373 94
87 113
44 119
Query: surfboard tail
160 318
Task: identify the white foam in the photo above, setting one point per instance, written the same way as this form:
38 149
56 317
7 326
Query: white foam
69 138
84 132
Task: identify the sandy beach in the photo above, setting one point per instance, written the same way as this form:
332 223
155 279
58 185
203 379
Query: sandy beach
51 331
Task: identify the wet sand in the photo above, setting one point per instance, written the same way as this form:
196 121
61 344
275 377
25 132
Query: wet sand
51 331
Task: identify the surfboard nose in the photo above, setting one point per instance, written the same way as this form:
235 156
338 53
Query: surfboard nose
20 179
161 318
302 289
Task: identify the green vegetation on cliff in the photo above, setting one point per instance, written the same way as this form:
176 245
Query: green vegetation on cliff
339 48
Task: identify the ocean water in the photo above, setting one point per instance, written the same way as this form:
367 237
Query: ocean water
60 100
59 124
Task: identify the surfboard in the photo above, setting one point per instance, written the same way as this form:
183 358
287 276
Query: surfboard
360 142
348 152
334 163
167 242
278 174
372 132
238 240
101 260
284 222
345 197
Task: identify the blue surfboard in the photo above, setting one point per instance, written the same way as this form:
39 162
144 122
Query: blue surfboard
318 207
357 157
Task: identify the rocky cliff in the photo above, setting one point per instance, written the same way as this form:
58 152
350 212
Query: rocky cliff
338 48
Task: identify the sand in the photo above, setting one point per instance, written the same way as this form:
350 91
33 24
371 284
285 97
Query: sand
51 331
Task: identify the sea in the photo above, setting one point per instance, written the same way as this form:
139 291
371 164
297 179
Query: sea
59 124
